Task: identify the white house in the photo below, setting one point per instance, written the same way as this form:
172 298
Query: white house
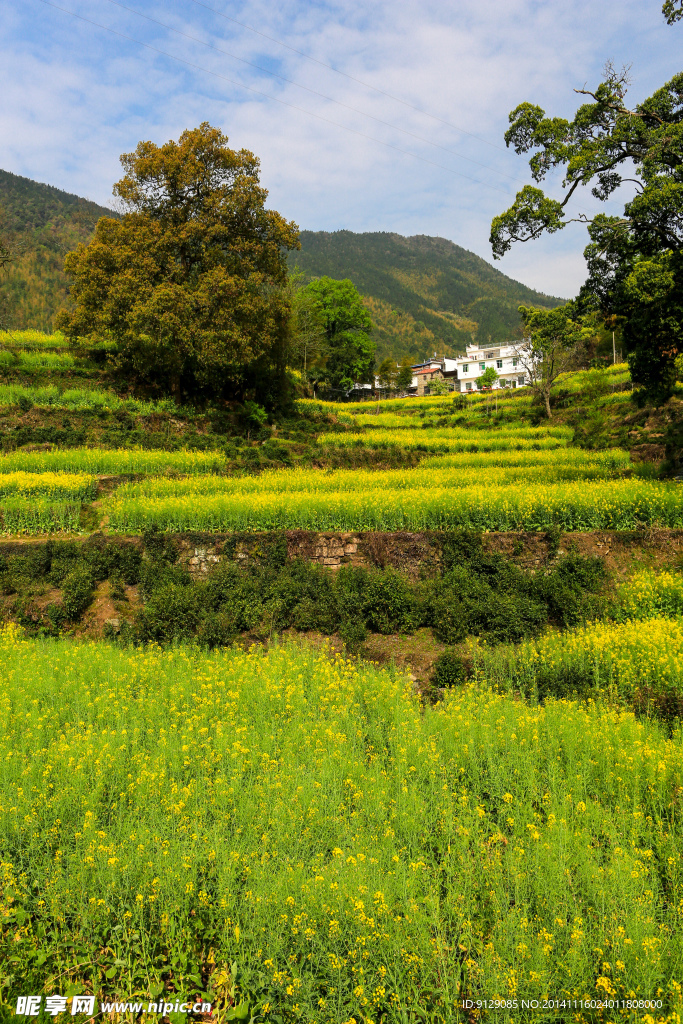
505 360
463 371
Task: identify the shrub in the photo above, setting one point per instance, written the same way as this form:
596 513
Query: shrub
353 633
172 613
217 629
389 603
77 589
448 671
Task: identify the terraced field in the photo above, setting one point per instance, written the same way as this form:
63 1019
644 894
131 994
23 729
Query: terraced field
449 770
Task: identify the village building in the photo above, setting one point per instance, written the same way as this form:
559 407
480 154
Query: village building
462 372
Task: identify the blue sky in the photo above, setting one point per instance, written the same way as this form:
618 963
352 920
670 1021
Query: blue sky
337 150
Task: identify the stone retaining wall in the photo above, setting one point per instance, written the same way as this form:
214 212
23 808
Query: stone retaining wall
415 554
406 551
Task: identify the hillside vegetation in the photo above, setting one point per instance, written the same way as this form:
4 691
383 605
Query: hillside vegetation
49 223
423 293
464 738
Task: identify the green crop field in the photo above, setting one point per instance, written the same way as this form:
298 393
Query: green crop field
449 770
39 340
354 854
611 505
90 399
111 462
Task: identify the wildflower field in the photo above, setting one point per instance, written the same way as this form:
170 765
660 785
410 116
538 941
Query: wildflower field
451 440
33 339
613 505
637 662
166 814
193 806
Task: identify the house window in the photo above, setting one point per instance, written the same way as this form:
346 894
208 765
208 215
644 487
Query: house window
514 362
499 364
482 366
468 386
466 368
520 380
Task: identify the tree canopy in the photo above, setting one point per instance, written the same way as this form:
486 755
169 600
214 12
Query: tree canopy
189 282
404 377
550 338
635 261
672 10
347 354
387 373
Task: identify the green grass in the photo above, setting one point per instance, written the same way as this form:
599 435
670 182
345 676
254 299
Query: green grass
79 399
24 359
165 814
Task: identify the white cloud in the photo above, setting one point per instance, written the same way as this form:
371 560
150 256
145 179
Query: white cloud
75 97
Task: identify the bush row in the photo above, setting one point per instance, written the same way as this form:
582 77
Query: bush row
476 593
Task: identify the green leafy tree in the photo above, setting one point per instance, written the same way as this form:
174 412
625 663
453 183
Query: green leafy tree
672 10
6 257
404 377
550 340
12 249
308 328
635 261
347 355
439 386
189 282
487 379
5 254
387 373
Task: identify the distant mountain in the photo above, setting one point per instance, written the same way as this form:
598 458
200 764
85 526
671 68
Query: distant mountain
50 223
424 294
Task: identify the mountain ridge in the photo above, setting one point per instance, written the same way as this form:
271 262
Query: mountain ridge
424 292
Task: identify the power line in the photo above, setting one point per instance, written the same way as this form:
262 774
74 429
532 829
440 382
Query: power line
314 92
275 99
358 81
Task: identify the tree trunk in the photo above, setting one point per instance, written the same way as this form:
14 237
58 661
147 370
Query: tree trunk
548 410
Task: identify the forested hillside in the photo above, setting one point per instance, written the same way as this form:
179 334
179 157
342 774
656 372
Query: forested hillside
424 293
47 223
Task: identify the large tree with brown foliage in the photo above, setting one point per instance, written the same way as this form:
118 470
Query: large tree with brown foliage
188 281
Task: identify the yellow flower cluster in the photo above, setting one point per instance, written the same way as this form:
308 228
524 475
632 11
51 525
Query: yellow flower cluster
108 461
306 816
82 486
637 662
648 594
393 501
